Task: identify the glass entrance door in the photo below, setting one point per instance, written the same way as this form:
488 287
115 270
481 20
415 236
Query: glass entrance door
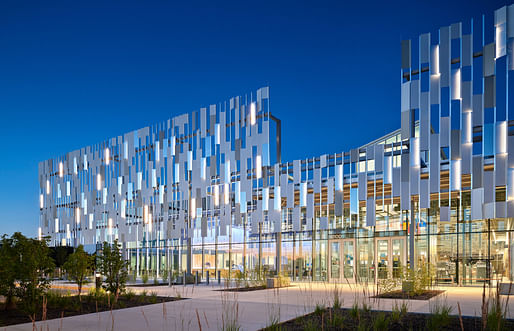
342 260
383 258
390 257
348 259
335 260
397 249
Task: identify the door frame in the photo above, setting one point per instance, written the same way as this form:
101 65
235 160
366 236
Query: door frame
403 254
341 243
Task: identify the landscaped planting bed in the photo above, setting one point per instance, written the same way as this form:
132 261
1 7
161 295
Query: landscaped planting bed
244 289
58 306
361 319
399 294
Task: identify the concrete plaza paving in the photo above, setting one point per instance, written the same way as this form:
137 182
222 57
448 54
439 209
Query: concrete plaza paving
207 308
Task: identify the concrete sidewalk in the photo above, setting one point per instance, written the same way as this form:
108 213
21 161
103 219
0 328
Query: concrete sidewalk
208 307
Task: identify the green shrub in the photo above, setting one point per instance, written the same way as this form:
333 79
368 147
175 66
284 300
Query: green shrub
439 315
354 311
153 297
320 309
130 294
381 322
336 320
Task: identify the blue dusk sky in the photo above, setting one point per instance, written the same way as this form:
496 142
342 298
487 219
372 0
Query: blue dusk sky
77 72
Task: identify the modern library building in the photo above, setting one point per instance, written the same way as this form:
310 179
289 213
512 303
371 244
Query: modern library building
207 191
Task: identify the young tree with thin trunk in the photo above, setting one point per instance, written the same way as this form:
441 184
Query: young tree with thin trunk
114 268
78 266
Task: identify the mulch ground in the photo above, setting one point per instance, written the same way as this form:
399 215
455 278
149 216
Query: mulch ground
344 319
425 295
72 307
243 289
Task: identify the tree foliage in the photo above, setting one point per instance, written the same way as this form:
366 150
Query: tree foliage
78 266
113 267
8 271
29 264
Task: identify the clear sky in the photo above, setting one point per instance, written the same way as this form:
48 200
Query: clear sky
77 72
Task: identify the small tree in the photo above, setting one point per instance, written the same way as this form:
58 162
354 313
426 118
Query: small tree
114 268
8 271
33 264
78 266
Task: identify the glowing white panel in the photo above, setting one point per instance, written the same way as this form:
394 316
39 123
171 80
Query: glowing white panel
217 138
47 186
265 199
414 153
110 226
456 175
253 115
125 150
68 235
104 195
172 147
189 160
258 167
154 178
39 233
107 156
216 195
120 183
303 194
436 60
68 188
77 215
56 225
85 206
58 191
61 169
145 214
75 166
85 162
227 171
157 152
501 138
456 88
123 210
98 182
139 180
41 201
278 199
203 168
90 221
226 193
501 40
177 172
339 177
